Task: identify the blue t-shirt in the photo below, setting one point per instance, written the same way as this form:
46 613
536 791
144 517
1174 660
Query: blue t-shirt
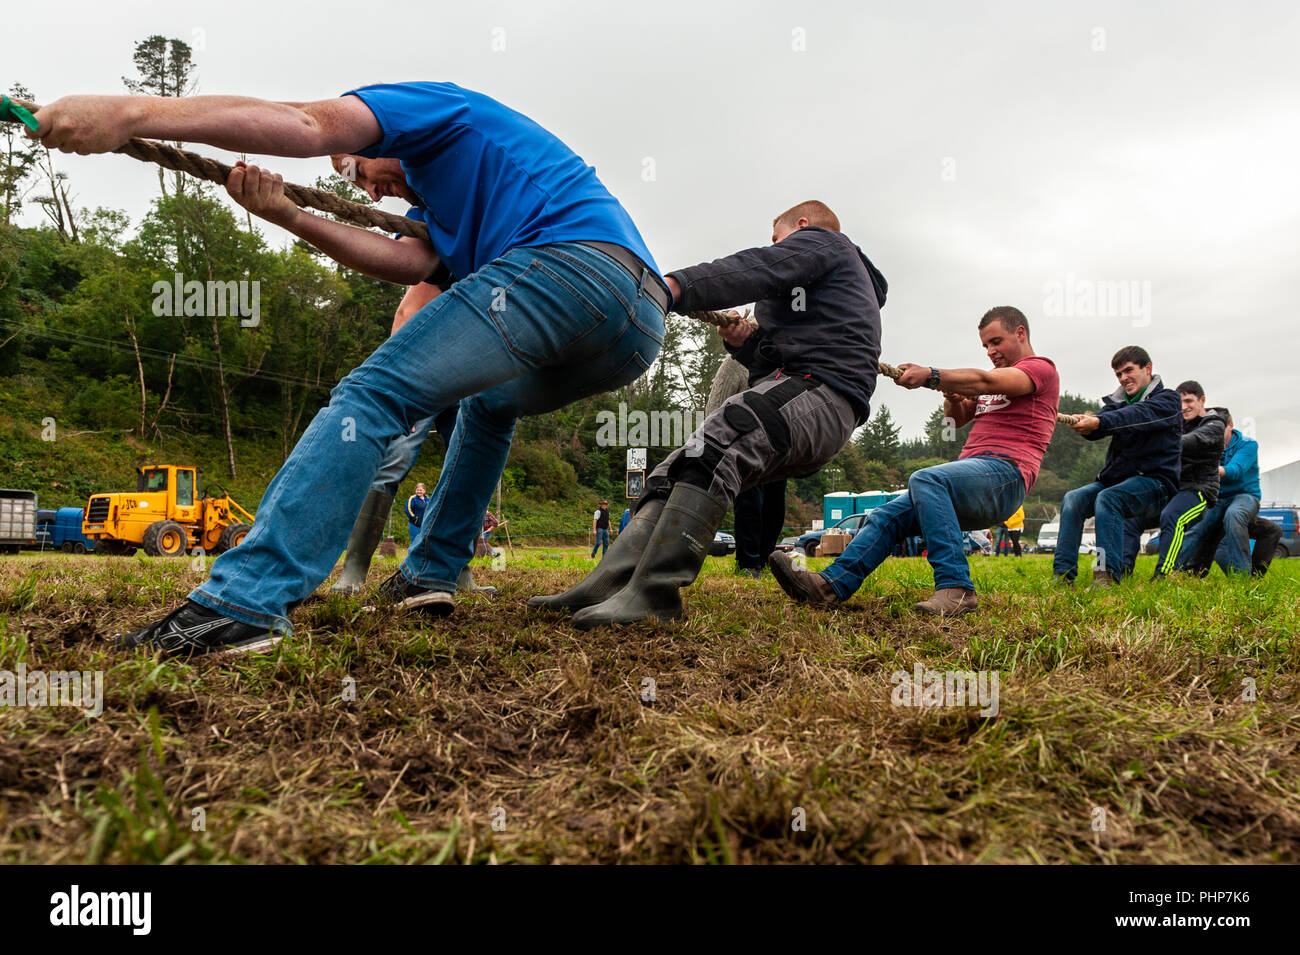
490 179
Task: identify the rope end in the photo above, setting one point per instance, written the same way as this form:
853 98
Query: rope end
15 113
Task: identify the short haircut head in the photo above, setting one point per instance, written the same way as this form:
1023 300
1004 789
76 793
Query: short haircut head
1010 317
1190 387
817 213
1130 353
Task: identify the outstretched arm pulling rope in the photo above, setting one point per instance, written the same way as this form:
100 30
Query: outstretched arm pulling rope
723 319
201 167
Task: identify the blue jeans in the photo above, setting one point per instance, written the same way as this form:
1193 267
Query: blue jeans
940 503
532 331
1235 513
602 541
1139 496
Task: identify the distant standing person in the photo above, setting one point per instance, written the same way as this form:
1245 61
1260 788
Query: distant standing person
1014 526
415 507
625 519
600 529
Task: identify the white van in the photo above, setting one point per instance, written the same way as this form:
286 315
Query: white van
1047 537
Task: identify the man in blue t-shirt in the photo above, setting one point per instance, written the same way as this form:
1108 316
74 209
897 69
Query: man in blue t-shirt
556 298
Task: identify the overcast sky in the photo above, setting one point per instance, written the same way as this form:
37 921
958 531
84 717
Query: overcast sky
981 153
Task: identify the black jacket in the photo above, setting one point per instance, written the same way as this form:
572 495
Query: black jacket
1202 449
1146 436
817 301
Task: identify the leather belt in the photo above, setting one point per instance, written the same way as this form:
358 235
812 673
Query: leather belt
655 289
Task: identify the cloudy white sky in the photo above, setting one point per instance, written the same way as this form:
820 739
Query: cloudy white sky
981 153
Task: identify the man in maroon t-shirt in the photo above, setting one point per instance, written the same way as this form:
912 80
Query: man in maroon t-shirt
1013 406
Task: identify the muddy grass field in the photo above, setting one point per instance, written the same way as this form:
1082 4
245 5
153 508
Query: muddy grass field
1126 731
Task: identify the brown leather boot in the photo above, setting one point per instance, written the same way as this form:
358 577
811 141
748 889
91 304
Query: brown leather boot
801 585
949 602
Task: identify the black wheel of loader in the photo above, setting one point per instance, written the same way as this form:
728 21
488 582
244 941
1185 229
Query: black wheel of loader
165 539
232 536
115 548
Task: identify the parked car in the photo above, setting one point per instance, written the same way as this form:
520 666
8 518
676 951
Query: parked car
1289 518
808 542
723 544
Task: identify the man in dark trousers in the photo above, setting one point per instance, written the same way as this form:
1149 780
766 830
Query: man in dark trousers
1013 409
1210 548
1198 485
759 510
557 298
600 529
818 325
1144 421
1238 504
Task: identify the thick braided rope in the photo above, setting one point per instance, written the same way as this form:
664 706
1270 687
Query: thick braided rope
889 371
201 167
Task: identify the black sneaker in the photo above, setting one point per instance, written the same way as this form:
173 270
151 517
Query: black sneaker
408 596
193 629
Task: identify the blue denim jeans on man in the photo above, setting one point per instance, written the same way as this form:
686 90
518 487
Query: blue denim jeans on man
1138 496
1235 512
532 331
602 541
940 503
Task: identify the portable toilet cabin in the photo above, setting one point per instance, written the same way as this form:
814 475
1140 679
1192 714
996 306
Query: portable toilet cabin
836 506
870 500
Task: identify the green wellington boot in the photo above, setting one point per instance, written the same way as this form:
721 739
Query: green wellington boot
672 560
465 584
366 533
615 569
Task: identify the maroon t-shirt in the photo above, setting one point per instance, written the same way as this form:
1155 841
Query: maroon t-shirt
1018 428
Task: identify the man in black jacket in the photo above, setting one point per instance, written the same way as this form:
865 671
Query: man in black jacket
1144 421
1198 486
818 302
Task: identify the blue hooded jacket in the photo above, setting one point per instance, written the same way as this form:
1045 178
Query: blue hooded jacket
1146 436
1240 466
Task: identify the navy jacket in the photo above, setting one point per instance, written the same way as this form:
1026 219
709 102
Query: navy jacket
817 301
415 508
1146 436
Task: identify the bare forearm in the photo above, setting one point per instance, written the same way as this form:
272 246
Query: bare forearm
248 124
237 123
377 255
970 382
